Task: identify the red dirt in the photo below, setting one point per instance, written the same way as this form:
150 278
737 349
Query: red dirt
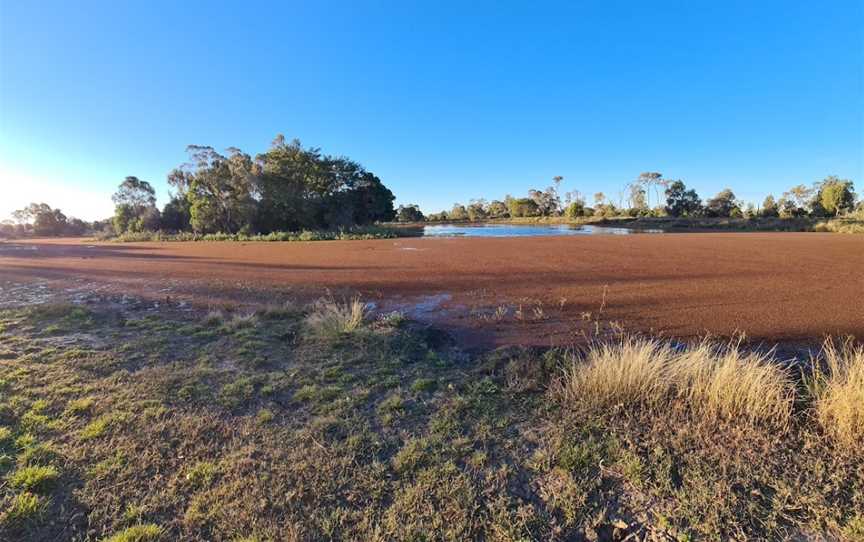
771 286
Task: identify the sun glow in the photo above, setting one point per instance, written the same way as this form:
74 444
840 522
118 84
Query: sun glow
19 189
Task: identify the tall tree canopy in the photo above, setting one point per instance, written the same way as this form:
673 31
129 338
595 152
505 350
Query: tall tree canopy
682 202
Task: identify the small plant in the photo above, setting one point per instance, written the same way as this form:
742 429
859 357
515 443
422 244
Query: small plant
23 507
202 474
241 321
138 533
393 319
424 384
332 319
80 406
96 428
265 416
34 478
214 318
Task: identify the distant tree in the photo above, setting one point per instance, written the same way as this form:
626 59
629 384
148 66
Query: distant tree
638 199
682 202
769 207
498 209
524 207
477 210
835 196
723 205
798 201
649 179
409 213
458 212
576 209
76 227
135 206
599 199
42 218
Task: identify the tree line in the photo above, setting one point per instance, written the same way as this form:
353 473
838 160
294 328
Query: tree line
827 198
292 188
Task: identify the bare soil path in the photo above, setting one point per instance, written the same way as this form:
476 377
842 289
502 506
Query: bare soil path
771 286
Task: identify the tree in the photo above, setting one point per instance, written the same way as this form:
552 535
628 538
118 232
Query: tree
524 207
682 202
498 209
44 219
798 201
477 210
649 179
722 205
135 193
769 207
135 206
219 189
458 212
548 201
409 213
175 214
299 188
576 209
638 199
835 196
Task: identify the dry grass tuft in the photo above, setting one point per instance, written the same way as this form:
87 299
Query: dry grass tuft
709 381
837 387
330 318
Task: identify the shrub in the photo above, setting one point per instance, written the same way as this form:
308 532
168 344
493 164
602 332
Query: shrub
837 387
331 319
709 381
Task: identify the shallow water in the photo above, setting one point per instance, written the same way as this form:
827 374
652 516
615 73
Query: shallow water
523 230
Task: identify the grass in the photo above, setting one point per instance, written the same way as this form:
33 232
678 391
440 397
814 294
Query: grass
22 508
34 478
837 387
355 233
138 533
367 430
706 380
330 318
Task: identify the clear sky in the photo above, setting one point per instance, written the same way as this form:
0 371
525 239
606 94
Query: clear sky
445 101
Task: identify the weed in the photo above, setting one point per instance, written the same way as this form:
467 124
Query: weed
424 384
97 427
35 478
24 507
202 474
332 319
138 533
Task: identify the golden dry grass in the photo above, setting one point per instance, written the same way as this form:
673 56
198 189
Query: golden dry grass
710 381
331 318
837 386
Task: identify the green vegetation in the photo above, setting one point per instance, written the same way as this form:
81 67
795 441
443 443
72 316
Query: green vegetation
347 234
322 423
829 205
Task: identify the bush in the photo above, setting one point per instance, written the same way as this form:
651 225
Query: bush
331 319
709 381
837 387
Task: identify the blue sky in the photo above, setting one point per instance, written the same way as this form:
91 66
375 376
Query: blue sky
445 101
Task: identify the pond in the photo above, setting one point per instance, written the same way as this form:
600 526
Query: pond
523 230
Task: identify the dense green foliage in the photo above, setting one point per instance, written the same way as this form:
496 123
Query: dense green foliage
287 188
